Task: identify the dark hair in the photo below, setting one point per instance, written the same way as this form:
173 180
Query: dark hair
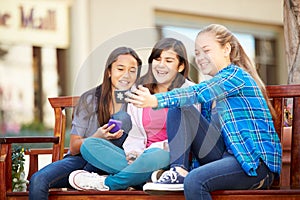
106 95
164 44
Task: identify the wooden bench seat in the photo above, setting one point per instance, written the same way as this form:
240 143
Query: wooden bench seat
140 195
288 187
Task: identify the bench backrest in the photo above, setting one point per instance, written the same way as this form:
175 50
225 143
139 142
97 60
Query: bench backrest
278 94
59 105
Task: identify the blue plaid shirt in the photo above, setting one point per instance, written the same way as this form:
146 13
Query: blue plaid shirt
247 125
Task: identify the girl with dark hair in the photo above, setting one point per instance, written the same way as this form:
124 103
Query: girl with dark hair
150 81
146 148
91 115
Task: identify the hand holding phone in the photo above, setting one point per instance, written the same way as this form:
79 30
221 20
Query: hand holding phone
118 125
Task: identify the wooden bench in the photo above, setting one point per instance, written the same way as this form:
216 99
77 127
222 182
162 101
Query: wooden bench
288 189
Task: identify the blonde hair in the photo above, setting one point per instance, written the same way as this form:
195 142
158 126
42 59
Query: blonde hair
238 56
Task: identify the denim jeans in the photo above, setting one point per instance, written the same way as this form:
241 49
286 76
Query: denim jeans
188 131
224 174
111 159
56 175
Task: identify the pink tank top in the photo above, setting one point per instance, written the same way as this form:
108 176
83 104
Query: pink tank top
154 122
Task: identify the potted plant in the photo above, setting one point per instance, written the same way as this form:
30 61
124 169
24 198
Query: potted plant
18 174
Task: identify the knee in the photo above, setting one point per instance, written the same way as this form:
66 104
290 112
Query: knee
92 142
89 143
92 146
189 184
37 182
192 183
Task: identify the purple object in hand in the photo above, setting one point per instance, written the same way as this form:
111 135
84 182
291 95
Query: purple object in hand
118 125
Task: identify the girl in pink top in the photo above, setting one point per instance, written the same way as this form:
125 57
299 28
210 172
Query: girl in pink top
168 69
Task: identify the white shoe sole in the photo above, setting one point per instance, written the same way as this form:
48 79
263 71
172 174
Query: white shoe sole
162 187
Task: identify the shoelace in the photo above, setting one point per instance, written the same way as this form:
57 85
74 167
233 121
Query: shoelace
94 182
168 175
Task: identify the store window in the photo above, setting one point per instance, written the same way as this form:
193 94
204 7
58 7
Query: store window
18 75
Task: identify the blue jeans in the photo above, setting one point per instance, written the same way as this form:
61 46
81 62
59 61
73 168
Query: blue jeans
111 159
224 174
56 175
188 131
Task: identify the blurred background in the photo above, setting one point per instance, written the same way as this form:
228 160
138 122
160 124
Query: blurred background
59 47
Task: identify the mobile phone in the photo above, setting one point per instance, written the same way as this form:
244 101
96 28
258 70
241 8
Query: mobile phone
120 96
118 125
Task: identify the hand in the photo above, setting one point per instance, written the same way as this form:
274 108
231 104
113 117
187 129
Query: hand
132 156
104 132
141 98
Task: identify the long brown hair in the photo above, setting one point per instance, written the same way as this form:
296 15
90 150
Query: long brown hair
238 56
165 44
106 94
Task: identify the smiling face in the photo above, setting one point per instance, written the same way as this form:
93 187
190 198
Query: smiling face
165 68
124 72
211 57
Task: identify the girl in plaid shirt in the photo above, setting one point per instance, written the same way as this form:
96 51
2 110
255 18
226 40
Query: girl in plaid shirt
233 137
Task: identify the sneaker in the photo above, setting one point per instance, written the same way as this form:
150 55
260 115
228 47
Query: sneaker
156 175
84 180
170 180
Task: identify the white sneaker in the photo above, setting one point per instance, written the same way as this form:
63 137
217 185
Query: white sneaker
84 180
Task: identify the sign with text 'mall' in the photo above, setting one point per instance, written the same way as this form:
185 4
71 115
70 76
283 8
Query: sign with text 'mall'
38 23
